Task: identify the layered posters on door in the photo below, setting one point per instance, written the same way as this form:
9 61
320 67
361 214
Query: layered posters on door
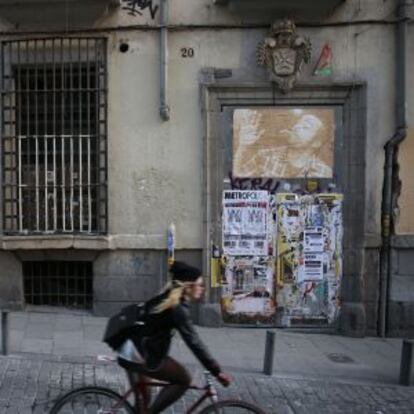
247 290
247 282
309 257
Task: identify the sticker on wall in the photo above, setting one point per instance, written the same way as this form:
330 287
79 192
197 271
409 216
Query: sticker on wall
289 230
245 223
283 142
312 268
313 240
324 65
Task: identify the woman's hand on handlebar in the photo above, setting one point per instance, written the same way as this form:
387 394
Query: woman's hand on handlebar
224 379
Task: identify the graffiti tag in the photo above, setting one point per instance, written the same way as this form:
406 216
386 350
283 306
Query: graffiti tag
268 184
136 7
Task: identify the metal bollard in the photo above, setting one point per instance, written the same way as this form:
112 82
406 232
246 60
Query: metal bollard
4 332
269 352
406 362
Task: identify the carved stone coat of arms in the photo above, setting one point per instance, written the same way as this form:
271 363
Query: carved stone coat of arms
284 52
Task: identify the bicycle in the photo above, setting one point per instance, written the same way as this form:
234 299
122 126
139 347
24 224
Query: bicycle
102 400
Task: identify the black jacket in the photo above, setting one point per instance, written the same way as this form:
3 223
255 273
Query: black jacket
154 339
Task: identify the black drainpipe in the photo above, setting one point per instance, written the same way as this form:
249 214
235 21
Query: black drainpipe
391 166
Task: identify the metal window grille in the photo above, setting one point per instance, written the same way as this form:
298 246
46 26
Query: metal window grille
55 283
54 136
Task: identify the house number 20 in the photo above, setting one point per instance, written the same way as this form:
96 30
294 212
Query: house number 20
187 52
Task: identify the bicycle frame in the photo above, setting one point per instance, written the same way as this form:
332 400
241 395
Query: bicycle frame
209 392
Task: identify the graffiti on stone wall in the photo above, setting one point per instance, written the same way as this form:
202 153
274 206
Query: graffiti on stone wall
267 184
136 7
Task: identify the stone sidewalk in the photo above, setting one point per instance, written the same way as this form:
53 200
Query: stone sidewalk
238 349
314 373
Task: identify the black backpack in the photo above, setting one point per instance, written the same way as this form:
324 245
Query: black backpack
129 321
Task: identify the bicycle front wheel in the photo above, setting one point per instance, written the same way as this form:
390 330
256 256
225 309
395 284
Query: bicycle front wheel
92 400
232 407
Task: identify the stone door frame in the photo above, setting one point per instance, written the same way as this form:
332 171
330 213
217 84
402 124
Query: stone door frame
351 98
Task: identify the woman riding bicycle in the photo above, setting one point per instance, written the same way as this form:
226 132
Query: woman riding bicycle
147 352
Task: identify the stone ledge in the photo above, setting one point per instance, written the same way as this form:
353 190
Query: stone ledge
81 242
111 242
403 241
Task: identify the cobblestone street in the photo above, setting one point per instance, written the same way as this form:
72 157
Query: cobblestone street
31 382
51 353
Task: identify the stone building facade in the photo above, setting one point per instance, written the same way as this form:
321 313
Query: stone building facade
117 120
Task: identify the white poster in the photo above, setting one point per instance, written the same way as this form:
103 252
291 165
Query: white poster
313 240
312 269
245 223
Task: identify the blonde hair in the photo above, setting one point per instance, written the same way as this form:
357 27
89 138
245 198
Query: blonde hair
175 291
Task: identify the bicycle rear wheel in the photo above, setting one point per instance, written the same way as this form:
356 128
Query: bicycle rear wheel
232 407
91 400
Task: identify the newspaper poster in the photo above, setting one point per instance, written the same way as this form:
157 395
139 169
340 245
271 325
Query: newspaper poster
313 240
245 223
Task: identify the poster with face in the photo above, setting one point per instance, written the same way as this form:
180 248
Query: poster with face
283 142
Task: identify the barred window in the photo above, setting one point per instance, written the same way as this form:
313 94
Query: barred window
58 283
54 146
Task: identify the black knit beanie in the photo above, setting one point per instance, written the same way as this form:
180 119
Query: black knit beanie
184 272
